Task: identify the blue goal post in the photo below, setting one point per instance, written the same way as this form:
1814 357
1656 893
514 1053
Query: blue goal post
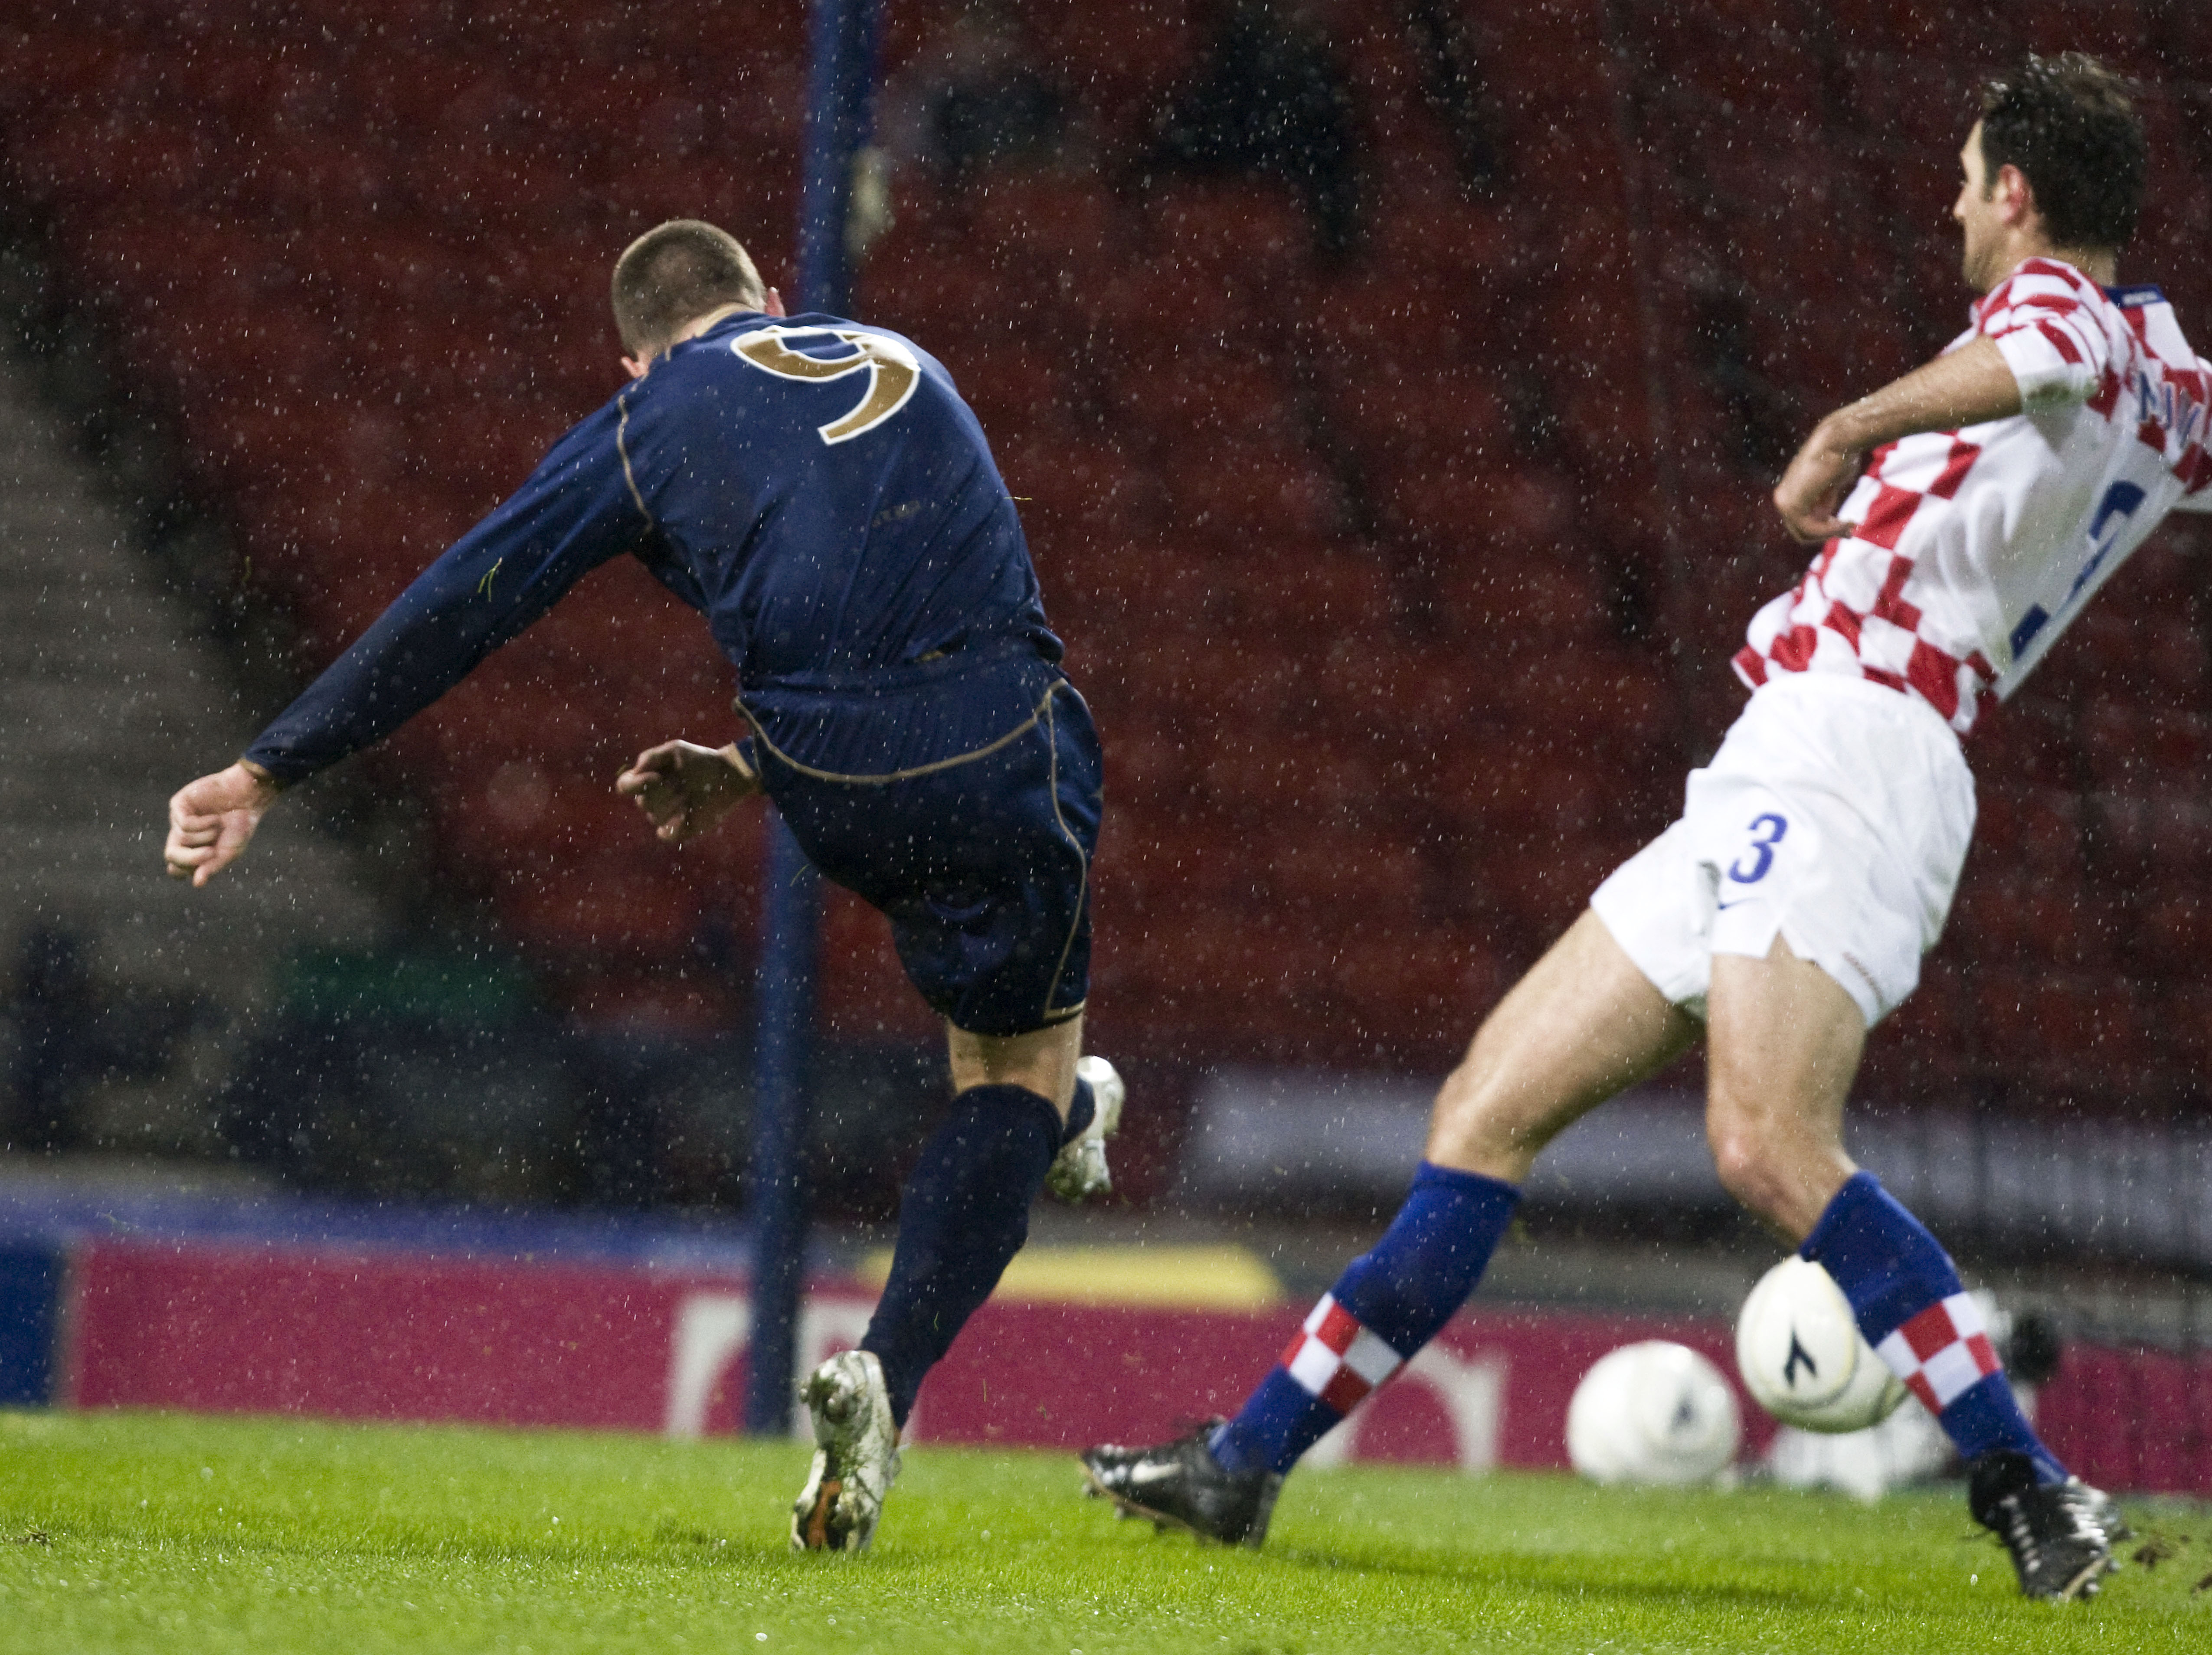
839 117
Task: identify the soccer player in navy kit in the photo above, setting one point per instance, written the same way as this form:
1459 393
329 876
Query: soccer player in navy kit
819 490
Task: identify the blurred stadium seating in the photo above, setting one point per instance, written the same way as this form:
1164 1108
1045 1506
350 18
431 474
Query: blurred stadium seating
1404 586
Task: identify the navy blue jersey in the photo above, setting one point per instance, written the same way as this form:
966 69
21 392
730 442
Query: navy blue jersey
814 486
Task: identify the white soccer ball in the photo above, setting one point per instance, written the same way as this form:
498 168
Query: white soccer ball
1802 1355
1655 1412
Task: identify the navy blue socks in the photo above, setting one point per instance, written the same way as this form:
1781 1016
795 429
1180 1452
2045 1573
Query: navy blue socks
1388 1304
964 1214
1912 1308
1080 1112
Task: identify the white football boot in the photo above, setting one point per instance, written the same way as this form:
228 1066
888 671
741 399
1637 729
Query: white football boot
856 1458
1079 1170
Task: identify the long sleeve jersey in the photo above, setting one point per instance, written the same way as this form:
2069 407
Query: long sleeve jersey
815 487
1974 549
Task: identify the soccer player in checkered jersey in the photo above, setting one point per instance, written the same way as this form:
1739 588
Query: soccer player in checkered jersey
1965 513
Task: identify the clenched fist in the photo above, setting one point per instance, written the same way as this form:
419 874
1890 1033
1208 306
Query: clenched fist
685 788
211 821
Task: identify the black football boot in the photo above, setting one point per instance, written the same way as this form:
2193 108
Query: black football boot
1180 1482
2059 1549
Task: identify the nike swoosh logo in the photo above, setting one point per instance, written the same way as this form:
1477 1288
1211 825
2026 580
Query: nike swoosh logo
1141 1474
1738 903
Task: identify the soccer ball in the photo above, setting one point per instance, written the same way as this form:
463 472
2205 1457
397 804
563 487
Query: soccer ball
1802 1355
1655 1412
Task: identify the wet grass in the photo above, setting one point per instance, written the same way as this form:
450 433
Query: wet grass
126 1532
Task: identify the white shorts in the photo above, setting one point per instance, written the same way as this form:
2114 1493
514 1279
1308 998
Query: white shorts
1836 815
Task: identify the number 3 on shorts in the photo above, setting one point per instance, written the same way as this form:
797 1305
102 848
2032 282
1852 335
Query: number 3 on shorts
1767 832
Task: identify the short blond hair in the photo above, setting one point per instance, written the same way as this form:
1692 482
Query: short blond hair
676 273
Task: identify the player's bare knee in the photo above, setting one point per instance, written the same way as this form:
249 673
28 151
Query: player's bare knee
1475 1126
1740 1158
1752 1156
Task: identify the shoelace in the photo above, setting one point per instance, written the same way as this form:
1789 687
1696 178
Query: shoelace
2020 1528
2020 1532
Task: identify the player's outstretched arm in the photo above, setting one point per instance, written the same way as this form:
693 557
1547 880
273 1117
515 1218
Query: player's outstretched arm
685 788
1965 386
212 820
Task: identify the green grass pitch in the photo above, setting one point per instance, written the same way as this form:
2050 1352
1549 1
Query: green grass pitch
126 1532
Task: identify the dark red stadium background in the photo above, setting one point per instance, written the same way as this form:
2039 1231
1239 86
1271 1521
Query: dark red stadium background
1403 580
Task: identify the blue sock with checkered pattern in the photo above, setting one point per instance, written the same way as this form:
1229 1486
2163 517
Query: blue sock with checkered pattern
1389 1303
1909 1302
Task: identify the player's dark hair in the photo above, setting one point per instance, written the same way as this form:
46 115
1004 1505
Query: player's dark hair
674 273
2067 123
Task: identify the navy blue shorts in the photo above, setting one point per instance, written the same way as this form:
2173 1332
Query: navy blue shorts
961 796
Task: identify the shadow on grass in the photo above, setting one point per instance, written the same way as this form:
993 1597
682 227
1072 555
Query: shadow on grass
670 1544
1581 1582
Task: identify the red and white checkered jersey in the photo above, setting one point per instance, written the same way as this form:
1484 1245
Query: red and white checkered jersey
1974 549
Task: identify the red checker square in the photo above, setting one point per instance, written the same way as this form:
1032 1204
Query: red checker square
1889 603
1842 618
1984 1354
1956 465
2059 341
1935 676
1291 1351
1920 1387
1345 1391
1338 1328
1793 650
1885 519
1929 1332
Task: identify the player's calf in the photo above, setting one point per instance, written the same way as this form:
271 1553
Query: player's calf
1906 1297
965 1213
1221 1480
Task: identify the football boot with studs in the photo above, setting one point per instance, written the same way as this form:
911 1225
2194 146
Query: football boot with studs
856 1457
2059 1551
1079 1169
1180 1484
